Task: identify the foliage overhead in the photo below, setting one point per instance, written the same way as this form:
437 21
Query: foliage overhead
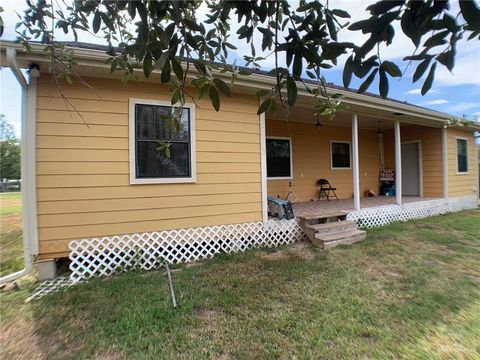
9 151
193 53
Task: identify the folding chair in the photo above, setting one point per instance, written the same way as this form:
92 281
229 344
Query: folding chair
325 189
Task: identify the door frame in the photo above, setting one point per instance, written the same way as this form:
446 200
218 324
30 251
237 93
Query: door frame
420 162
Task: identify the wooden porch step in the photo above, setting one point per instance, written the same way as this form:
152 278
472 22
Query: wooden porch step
334 227
326 241
336 214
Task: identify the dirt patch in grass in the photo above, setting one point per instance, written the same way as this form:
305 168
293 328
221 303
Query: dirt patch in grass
303 250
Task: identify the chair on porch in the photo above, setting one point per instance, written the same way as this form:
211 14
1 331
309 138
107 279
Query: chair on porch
326 189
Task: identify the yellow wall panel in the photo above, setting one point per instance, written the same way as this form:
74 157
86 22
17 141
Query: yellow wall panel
311 159
83 185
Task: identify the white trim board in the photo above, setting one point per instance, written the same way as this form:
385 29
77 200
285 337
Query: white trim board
131 144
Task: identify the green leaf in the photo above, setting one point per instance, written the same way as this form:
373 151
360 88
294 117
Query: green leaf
113 65
341 13
383 6
165 78
214 98
147 65
347 72
167 152
448 59
391 68
471 13
223 87
263 106
437 39
297 65
366 84
429 80
421 68
97 21
331 27
383 83
291 91
177 68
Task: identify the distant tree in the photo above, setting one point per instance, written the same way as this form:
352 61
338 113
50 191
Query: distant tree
9 151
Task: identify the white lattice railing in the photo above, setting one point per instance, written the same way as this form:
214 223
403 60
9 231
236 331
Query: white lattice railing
382 215
106 255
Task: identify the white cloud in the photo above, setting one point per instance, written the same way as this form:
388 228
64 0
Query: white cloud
462 107
419 91
437 102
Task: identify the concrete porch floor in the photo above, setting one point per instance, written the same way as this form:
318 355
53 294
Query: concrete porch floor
324 206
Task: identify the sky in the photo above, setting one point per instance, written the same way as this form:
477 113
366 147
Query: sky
456 93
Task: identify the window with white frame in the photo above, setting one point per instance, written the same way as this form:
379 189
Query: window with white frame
462 155
340 155
279 158
151 126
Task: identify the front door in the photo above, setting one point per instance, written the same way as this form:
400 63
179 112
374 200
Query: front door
411 169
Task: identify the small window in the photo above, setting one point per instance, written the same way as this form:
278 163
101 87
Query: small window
279 158
148 128
462 156
340 154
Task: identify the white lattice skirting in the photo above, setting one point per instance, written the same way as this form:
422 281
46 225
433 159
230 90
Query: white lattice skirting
382 215
110 254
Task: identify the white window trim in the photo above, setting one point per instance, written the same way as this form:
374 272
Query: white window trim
350 155
291 159
456 156
132 148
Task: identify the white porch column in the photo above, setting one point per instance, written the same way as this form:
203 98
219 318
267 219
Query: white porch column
398 163
445 163
356 177
263 166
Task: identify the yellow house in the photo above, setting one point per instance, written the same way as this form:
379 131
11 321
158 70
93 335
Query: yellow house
97 175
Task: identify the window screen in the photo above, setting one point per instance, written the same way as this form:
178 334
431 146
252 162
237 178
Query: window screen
462 156
152 127
278 158
340 153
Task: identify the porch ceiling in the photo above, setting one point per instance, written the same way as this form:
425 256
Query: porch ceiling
368 118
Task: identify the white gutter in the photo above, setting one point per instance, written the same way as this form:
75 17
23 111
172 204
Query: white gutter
28 110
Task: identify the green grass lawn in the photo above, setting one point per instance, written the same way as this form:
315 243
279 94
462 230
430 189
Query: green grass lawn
11 240
410 291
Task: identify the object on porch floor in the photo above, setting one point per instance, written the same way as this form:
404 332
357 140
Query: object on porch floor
387 179
291 197
279 208
329 230
370 193
326 189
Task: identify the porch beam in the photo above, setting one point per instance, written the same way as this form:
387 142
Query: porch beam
356 176
445 163
398 163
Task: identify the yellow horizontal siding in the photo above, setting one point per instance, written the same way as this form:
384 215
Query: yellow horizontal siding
431 146
464 183
60 237
83 185
311 159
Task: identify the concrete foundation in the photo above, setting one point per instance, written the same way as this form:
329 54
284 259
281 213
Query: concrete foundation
47 269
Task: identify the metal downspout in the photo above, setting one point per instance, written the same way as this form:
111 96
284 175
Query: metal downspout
12 63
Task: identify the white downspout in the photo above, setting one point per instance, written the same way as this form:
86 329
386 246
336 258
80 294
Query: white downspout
28 199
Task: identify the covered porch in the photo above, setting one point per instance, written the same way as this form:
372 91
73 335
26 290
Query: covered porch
347 205
350 151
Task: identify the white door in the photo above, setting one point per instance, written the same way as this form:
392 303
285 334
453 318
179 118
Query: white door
411 169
